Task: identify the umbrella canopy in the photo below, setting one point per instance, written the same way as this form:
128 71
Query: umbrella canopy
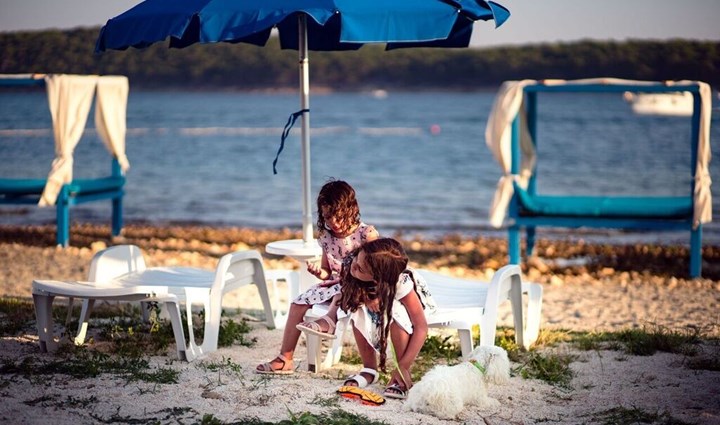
321 25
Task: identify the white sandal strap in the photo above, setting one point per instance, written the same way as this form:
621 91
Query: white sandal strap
361 380
331 324
372 372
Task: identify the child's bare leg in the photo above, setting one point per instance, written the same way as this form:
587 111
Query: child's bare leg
290 338
332 312
323 325
291 334
367 354
400 340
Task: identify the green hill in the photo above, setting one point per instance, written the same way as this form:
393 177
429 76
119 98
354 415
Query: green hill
245 67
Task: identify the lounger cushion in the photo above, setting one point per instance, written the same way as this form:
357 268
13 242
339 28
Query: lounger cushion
604 206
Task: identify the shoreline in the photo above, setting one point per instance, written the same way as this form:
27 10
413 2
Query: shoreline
568 254
22 216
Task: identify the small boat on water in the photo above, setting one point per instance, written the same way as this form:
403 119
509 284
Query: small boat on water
676 104
379 94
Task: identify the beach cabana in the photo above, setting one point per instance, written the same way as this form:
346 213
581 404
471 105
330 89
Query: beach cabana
511 135
70 98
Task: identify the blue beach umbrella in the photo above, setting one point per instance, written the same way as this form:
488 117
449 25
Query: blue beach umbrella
302 25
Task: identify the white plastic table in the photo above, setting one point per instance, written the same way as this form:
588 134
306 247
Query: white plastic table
301 251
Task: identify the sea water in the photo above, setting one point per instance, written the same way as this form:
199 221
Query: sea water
418 161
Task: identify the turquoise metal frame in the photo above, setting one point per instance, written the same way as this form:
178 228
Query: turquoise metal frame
15 191
28 191
515 210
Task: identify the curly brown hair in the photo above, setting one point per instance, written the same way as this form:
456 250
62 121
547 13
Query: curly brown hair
386 260
338 199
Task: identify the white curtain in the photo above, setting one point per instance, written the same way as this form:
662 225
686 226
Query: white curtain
703 196
110 115
69 99
498 132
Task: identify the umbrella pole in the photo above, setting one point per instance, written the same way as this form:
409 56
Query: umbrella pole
303 63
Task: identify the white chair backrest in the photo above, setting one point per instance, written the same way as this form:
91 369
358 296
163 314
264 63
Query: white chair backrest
239 269
453 292
115 261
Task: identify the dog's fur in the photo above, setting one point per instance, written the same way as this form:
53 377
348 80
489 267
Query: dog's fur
445 390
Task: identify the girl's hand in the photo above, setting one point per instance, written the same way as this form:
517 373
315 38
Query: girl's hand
328 283
373 305
404 381
315 269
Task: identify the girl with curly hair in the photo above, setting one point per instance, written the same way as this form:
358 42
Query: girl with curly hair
340 232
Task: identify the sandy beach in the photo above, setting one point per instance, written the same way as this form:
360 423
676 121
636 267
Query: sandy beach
587 288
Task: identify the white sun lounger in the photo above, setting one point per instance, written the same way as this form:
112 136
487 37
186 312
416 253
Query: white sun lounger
105 266
462 303
45 291
119 272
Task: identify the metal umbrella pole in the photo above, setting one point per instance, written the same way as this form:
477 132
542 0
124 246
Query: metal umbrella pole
303 63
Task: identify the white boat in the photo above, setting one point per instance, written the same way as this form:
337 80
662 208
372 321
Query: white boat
379 94
676 103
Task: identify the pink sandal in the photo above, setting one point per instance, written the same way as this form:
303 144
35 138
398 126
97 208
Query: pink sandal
267 369
314 328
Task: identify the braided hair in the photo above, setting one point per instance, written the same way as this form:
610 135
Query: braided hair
386 259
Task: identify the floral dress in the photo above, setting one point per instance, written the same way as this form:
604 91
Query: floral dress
335 249
368 322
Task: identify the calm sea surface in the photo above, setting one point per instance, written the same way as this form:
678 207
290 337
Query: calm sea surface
206 157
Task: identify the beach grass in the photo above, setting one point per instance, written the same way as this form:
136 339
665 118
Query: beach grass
123 343
644 341
634 415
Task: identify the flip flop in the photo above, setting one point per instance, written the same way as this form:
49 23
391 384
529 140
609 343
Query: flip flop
365 396
314 328
267 369
361 381
395 391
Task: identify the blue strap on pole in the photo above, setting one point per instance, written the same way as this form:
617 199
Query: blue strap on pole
288 126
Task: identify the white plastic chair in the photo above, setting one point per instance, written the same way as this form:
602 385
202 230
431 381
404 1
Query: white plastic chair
292 282
462 303
204 287
105 266
233 271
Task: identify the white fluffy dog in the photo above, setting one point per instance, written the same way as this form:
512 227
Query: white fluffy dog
445 390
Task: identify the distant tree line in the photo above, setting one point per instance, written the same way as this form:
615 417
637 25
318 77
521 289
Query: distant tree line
245 67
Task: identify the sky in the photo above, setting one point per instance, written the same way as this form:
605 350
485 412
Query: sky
531 21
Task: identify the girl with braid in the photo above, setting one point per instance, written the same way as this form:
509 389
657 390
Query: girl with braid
385 299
